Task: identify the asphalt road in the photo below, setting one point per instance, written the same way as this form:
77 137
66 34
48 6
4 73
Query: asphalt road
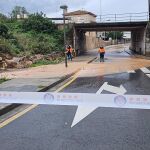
48 127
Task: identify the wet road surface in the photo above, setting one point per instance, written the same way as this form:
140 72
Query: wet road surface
48 127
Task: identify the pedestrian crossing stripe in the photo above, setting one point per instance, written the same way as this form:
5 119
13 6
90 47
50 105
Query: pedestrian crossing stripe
145 70
148 75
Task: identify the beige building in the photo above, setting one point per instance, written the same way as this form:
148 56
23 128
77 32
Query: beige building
81 16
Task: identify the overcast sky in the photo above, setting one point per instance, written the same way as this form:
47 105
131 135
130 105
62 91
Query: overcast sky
51 7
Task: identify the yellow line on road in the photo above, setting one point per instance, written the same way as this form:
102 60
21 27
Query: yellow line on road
6 122
11 119
68 83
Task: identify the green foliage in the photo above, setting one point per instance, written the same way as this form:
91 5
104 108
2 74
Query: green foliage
46 62
38 43
35 35
3 18
4 46
15 26
114 35
4 79
9 46
8 43
3 30
38 23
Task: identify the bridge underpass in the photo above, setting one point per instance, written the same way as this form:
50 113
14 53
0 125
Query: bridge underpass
137 29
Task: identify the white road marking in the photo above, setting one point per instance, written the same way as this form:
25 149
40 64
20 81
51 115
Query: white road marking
145 70
112 89
82 112
148 75
131 71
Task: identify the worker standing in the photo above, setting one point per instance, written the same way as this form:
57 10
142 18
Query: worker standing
101 53
69 52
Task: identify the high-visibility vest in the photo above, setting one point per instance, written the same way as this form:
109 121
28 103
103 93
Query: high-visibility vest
101 50
69 50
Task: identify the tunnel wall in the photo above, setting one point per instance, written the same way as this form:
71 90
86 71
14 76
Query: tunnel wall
91 43
84 42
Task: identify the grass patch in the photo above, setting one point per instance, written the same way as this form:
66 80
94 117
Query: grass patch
3 80
47 62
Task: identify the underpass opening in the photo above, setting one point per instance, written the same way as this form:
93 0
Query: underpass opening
137 30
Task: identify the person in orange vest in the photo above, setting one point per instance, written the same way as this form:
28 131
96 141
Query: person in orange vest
101 53
69 52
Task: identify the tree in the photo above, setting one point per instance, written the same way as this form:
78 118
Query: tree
37 22
3 30
114 35
18 10
2 17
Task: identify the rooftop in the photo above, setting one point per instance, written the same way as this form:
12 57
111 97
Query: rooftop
80 12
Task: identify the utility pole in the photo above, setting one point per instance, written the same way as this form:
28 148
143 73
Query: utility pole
100 10
149 10
64 7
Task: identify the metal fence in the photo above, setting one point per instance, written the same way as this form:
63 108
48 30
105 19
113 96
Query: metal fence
126 17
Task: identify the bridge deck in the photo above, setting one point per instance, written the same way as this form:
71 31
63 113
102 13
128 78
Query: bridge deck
117 26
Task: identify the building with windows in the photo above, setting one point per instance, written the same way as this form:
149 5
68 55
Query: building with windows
80 16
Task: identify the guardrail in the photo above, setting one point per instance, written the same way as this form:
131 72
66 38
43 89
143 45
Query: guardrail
126 17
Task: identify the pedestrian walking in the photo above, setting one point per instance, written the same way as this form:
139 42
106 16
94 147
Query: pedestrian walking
69 52
101 53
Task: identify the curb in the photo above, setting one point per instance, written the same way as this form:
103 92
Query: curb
137 56
9 108
130 53
59 81
91 60
13 106
142 57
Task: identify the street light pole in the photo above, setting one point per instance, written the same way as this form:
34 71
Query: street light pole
64 7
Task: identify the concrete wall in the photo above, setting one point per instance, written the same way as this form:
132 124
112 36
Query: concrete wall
138 38
79 41
148 47
85 41
88 41
148 40
91 43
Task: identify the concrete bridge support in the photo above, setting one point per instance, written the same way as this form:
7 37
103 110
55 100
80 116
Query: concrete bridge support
138 39
85 40
79 41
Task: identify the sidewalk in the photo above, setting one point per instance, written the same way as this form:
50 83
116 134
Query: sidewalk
42 77
51 71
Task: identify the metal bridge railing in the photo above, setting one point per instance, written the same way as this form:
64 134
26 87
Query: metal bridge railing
126 17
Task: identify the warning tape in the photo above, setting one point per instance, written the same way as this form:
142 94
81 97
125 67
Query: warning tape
77 99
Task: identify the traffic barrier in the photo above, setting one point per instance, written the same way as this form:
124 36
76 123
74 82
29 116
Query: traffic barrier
77 99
